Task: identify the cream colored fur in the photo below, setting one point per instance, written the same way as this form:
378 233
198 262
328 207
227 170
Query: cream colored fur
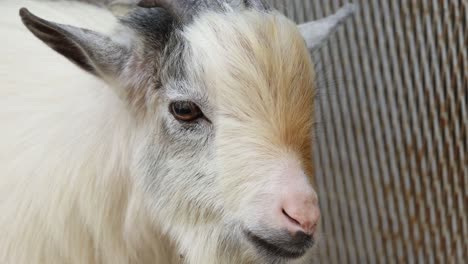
68 191
65 192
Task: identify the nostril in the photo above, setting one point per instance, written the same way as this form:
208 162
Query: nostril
291 218
301 219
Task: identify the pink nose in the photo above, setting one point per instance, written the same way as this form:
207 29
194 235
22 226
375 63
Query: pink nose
300 212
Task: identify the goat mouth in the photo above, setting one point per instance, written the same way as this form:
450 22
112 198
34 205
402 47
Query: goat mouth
270 248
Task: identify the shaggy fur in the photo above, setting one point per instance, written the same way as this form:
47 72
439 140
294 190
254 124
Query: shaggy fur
95 169
66 139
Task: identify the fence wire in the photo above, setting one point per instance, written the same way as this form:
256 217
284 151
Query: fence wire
391 151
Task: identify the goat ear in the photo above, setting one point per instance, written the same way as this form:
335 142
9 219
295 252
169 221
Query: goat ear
91 51
317 32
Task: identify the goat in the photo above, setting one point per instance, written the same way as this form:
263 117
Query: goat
180 133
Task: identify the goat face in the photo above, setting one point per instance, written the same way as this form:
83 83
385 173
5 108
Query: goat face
232 138
223 104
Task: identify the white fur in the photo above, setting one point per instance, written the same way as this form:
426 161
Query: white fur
79 178
64 139
317 32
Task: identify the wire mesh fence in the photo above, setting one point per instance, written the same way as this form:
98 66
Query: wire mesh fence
391 151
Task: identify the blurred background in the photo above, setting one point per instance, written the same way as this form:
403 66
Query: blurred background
391 145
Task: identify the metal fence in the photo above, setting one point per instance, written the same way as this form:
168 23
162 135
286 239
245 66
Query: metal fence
391 147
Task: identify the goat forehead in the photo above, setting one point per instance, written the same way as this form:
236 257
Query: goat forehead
257 67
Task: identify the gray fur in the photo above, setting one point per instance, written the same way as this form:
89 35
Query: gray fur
154 25
89 50
185 11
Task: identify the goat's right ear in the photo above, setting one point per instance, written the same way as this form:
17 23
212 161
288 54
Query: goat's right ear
91 51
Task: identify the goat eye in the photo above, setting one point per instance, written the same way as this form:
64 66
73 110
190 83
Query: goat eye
185 111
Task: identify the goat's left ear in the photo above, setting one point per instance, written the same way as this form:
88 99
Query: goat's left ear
91 51
317 32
